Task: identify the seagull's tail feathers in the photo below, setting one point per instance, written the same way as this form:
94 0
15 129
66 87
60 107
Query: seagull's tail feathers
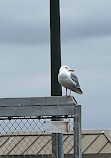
79 91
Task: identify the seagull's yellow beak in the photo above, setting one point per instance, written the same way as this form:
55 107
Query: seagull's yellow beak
71 70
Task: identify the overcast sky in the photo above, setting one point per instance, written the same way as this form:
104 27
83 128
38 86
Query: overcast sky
85 47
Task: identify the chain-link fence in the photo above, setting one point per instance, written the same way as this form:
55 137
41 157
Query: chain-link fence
27 137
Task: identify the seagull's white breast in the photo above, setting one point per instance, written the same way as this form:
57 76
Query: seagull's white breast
65 80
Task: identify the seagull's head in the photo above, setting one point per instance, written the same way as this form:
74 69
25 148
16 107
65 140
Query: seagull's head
65 68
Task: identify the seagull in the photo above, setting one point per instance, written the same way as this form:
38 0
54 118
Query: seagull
69 80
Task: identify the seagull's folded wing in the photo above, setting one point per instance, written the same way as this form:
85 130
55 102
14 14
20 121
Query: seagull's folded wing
75 79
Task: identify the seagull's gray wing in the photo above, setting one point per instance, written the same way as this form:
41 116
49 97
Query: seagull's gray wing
75 79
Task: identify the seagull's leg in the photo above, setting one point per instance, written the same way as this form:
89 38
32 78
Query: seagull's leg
70 93
66 92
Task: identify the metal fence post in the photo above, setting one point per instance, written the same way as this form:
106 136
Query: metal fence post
60 143
54 142
77 133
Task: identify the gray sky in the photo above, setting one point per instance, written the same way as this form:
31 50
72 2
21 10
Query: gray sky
85 46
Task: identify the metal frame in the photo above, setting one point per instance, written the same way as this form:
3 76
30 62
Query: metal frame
45 106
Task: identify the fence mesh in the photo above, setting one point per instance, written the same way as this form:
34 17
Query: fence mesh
26 137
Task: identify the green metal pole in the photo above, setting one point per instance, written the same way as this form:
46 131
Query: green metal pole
56 90
55 47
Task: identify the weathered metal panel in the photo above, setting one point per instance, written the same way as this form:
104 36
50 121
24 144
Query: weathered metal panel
34 101
36 106
26 111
